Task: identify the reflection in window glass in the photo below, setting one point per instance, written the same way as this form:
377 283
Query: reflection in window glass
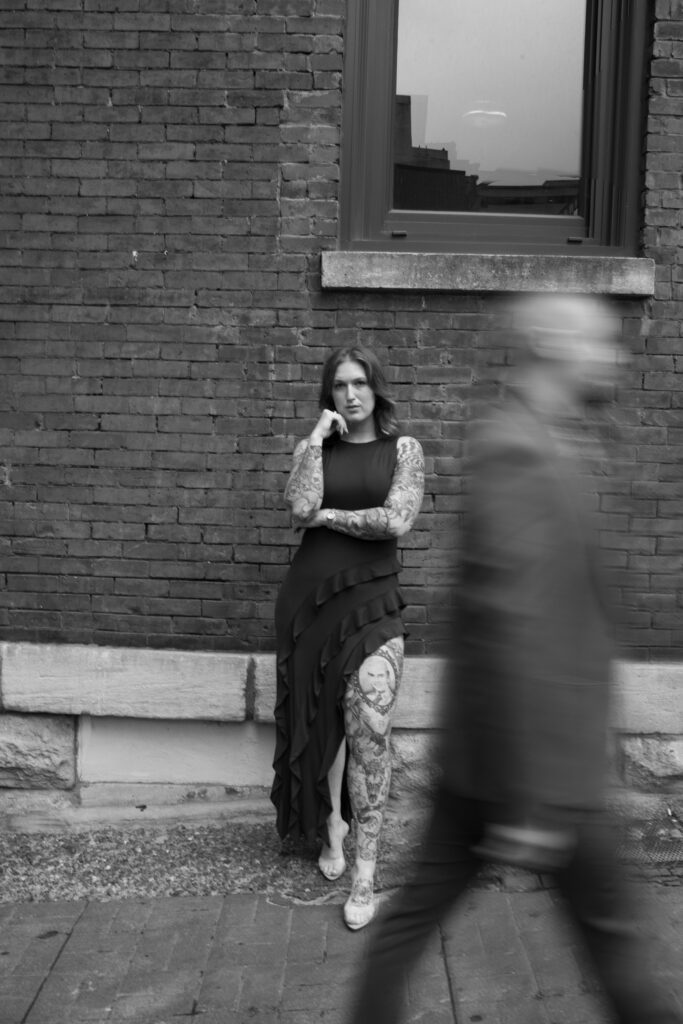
489 105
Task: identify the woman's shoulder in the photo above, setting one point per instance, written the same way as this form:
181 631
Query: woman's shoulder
407 445
409 455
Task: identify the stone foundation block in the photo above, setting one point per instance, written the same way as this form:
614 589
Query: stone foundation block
74 679
37 752
413 772
653 763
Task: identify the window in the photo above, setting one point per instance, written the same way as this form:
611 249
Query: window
494 126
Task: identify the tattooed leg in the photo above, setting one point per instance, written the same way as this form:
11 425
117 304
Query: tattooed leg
368 708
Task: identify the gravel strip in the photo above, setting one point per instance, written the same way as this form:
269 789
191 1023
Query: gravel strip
212 860
182 860
178 860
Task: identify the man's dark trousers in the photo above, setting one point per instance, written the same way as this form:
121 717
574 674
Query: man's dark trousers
593 888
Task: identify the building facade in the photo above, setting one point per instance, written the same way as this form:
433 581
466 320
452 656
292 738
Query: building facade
191 218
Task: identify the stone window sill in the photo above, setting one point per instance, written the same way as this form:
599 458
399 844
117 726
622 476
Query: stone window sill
483 272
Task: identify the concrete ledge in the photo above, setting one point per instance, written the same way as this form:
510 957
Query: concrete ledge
72 679
141 806
144 796
488 272
160 806
182 685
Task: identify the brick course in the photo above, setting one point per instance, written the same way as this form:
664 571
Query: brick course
170 175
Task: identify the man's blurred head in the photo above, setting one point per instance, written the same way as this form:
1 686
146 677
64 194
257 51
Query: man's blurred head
574 340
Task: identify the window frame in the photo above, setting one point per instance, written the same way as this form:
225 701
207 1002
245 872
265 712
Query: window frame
612 145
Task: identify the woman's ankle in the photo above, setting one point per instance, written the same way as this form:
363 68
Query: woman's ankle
364 870
337 830
336 825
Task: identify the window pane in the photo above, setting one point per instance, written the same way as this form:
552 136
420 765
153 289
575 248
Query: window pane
488 105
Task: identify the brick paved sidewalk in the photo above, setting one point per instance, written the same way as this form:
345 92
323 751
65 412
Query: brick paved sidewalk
506 958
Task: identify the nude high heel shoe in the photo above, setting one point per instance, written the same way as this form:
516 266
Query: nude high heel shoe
361 905
333 868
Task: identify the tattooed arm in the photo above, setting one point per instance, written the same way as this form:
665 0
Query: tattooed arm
398 513
304 489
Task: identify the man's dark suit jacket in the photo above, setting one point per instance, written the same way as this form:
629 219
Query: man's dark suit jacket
526 717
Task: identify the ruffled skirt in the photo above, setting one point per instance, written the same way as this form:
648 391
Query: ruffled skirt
327 623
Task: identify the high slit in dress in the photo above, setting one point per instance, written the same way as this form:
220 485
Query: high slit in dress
339 602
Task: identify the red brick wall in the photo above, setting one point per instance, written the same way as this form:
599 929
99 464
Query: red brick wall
169 175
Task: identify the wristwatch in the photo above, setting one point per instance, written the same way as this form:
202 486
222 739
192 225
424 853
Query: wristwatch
330 516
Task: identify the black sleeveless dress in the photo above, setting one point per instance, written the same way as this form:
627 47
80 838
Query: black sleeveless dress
339 602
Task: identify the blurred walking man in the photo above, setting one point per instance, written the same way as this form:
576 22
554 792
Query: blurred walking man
524 751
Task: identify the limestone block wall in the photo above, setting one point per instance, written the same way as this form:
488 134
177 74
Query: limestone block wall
83 726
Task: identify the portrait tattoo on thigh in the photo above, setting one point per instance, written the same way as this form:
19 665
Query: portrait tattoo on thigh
368 707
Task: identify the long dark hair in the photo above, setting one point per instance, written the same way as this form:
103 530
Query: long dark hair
385 408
